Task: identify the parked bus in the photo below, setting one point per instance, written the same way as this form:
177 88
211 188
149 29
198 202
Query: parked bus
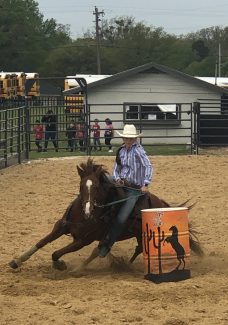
20 84
5 86
219 81
35 90
75 102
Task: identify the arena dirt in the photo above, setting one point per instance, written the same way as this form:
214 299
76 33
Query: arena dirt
110 291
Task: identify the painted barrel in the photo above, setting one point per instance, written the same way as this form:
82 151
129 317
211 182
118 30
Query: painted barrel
166 250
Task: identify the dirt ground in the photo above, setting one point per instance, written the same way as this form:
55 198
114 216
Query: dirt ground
33 196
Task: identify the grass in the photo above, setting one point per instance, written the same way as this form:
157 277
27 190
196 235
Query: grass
155 150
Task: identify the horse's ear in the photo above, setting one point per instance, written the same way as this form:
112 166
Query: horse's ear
98 171
81 172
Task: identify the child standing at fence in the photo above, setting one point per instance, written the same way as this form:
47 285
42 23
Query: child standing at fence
96 135
109 133
70 134
38 131
82 134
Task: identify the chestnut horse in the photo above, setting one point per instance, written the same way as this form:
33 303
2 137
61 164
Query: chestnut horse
87 219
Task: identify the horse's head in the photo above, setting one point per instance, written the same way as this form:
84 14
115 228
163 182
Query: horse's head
89 187
174 230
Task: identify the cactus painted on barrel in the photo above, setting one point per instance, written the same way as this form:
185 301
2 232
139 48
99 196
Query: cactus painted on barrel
147 238
160 240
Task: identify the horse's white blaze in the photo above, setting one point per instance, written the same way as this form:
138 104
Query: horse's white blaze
88 184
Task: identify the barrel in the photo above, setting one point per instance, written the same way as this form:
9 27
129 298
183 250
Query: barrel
165 241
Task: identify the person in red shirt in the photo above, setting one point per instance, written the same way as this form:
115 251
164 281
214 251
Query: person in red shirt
38 131
96 134
82 134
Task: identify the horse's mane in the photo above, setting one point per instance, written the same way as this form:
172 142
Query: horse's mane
90 167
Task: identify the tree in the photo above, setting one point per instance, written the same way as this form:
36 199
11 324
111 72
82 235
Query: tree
77 57
25 38
200 49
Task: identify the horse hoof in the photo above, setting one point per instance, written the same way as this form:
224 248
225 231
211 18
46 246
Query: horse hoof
59 265
13 264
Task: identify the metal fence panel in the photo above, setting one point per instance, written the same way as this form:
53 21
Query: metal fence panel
13 131
213 123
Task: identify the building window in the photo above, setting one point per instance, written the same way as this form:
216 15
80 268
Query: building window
151 112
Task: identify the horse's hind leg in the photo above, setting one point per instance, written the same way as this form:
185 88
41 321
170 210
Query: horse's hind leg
72 247
92 257
57 232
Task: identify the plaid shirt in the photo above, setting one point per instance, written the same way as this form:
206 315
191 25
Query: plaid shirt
135 165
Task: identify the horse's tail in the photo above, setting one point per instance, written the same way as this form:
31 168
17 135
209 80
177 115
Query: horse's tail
165 204
184 204
195 245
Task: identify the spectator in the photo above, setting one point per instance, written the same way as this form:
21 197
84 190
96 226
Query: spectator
82 134
38 131
109 133
50 120
70 134
96 134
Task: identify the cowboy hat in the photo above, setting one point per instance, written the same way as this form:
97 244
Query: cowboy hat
129 131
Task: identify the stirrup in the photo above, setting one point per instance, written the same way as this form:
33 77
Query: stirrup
104 251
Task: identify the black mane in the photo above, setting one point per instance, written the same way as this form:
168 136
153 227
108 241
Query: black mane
90 167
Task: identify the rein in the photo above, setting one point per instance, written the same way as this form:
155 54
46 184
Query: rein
111 203
86 224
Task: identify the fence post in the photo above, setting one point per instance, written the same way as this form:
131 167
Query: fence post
27 142
19 135
196 133
88 134
6 139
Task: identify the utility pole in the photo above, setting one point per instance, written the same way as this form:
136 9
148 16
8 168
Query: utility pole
219 64
97 14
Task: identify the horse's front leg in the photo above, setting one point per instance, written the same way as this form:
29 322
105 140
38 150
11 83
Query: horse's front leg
72 247
57 232
138 249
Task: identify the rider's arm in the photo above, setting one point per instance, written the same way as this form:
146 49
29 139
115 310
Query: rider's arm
116 172
148 169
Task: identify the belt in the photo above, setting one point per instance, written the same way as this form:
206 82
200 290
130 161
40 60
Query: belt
130 184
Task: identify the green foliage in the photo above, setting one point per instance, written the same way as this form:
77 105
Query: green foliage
200 48
204 68
25 38
30 43
76 57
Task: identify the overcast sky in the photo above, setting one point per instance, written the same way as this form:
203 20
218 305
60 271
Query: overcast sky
175 16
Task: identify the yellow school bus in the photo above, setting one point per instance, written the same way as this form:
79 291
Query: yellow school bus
75 102
13 90
20 84
35 90
5 86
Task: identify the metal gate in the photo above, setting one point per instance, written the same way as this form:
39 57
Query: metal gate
13 135
212 120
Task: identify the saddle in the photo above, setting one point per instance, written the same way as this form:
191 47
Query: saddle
116 194
135 218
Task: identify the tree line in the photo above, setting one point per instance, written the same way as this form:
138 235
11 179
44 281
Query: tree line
30 43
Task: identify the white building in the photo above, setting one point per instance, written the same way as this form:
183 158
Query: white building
155 98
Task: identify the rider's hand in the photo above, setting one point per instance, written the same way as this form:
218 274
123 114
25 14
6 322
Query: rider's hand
120 183
144 188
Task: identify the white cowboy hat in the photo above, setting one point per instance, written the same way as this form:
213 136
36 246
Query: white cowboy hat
129 131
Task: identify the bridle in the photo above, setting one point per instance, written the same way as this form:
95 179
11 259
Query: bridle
95 203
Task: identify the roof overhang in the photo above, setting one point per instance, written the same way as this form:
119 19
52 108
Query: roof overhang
145 67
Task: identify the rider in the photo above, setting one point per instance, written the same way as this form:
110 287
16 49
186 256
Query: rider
132 168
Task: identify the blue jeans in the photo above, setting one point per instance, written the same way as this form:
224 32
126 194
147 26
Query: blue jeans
96 141
124 213
49 135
